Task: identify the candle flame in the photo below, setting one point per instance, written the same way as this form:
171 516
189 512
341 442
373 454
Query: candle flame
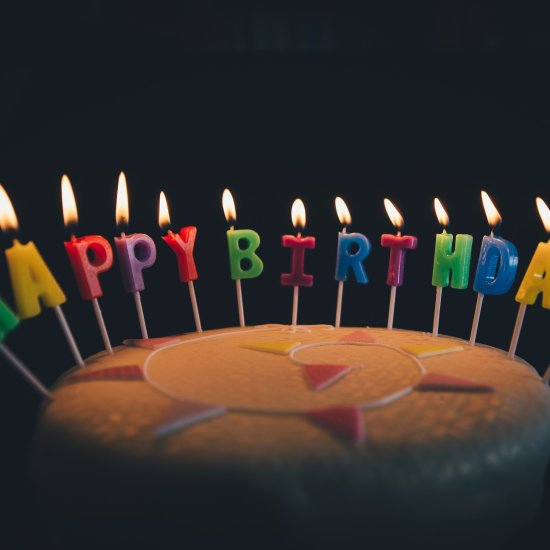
164 213
394 215
342 211
229 209
70 212
122 209
441 213
493 216
8 219
544 213
298 214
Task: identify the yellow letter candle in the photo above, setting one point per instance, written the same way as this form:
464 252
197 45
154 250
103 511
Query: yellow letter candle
535 280
32 282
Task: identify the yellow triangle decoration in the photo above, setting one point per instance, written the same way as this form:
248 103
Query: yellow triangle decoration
279 348
423 350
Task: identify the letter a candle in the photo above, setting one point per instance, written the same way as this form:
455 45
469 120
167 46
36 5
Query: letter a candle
182 244
297 278
398 245
497 264
89 256
135 253
242 244
346 260
32 282
536 279
449 267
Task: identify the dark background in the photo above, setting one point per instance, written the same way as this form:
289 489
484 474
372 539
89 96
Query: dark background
275 100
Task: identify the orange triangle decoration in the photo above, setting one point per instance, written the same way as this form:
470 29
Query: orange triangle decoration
182 414
434 381
358 336
343 421
321 376
422 350
123 372
150 343
277 347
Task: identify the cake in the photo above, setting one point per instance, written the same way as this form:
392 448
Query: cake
313 437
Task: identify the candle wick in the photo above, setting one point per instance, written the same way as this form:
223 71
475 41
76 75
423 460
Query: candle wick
122 234
299 234
73 238
344 229
231 227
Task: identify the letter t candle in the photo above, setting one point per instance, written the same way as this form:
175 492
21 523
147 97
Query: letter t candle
86 269
135 253
398 245
297 278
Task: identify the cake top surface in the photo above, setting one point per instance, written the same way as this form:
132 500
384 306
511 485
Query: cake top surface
265 392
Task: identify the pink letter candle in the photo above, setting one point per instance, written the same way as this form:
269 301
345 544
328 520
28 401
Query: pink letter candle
398 245
298 244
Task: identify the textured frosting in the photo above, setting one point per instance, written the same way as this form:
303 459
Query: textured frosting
432 461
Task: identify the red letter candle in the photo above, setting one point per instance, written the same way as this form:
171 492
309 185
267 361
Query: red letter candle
182 245
135 253
398 245
299 245
89 256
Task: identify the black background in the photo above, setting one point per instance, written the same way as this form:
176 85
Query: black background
275 100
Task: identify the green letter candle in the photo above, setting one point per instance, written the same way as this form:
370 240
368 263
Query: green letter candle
242 244
452 266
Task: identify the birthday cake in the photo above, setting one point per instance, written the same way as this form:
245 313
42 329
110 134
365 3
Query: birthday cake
268 436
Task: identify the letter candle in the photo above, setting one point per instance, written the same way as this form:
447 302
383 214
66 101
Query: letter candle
8 321
242 244
297 278
398 245
345 259
135 253
182 244
32 282
497 264
86 268
536 279
449 266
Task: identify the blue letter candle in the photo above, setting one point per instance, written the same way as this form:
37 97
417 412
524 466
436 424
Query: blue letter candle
347 261
497 266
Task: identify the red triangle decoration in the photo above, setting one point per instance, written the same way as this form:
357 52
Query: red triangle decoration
358 336
321 376
182 414
434 381
123 372
150 343
344 421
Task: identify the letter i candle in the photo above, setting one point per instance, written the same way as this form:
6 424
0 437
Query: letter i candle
242 245
32 282
89 256
346 260
449 267
497 264
182 244
297 278
135 253
536 279
398 245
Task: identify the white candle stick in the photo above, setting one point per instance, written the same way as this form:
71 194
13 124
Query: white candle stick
295 298
475 322
240 306
339 303
437 309
102 327
391 308
195 306
517 330
68 335
141 317
25 372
